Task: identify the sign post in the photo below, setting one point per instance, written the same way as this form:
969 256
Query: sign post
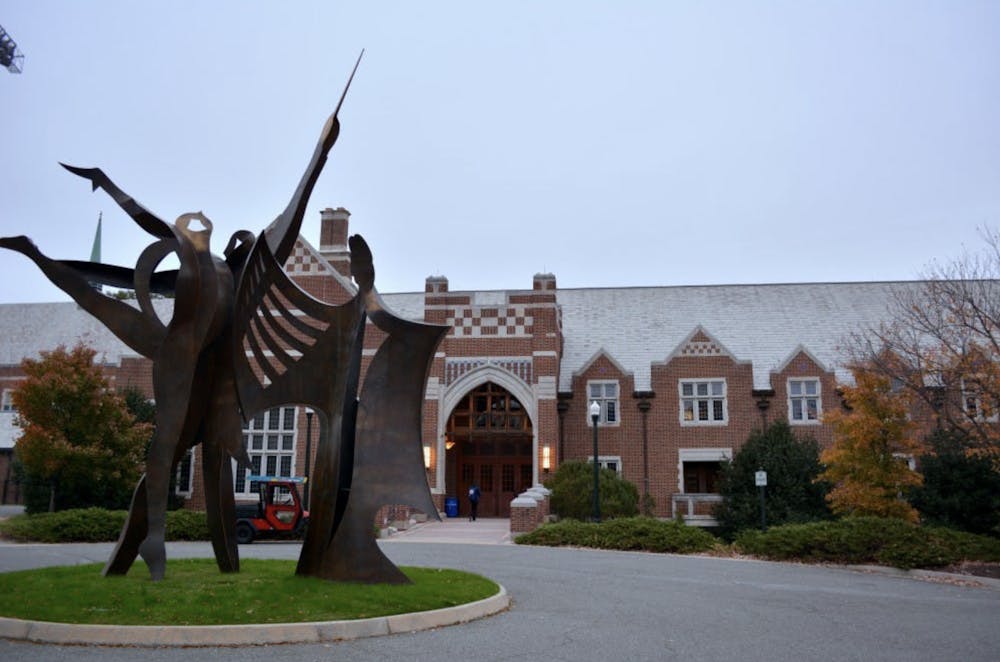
760 478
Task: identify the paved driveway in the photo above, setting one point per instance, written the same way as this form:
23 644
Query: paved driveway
594 605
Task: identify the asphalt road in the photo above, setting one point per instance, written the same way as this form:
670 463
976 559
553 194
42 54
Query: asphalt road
595 605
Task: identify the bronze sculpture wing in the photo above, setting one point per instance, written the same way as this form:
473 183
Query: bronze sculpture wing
283 231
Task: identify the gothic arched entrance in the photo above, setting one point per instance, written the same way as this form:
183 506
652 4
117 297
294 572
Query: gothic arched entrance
490 438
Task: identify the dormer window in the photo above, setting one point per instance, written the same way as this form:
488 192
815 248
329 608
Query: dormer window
804 404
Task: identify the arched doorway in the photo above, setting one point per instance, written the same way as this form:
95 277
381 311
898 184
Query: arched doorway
490 438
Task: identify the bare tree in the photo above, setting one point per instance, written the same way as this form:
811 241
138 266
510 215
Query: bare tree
942 343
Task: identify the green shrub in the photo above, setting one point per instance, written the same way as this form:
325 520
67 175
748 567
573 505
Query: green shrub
869 540
793 495
96 525
960 490
573 492
187 525
633 533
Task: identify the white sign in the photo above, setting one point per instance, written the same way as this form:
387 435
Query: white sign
760 478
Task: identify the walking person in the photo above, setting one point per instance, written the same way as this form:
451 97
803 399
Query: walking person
474 501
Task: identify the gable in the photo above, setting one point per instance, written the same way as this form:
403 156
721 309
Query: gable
699 344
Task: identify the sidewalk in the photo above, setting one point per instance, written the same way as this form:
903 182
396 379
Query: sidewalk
489 531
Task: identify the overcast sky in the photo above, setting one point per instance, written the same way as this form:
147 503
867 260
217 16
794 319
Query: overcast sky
610 143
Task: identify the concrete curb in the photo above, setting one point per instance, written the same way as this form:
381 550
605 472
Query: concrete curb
926 575
248 635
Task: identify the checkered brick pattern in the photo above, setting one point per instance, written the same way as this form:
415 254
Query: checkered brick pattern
305 262
701 349
505 321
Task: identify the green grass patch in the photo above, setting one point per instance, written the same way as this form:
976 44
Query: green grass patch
856 540
95 525
196 593
632 533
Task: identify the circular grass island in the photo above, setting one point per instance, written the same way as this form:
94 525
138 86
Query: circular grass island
265 603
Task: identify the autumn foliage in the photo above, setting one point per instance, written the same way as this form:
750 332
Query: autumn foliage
867 464
79 446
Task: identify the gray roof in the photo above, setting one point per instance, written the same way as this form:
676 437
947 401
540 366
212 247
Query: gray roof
764 324
636 326
29 328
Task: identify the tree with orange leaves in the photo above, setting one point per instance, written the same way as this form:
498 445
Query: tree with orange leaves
868 462
79 446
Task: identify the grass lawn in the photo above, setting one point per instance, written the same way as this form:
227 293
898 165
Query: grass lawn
196 593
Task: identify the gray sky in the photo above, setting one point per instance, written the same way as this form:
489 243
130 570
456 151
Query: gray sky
611 143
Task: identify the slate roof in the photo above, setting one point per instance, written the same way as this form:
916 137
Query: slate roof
29 328
635 326
764 324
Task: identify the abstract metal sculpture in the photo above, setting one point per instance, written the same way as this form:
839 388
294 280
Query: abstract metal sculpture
243 338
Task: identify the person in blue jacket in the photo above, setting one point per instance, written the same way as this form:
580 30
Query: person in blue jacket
474 501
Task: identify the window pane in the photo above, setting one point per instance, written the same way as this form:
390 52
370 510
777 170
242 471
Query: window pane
258 421
272 442
611 389
287 442
797 410
289 420
717 410
716 388
507 478
795 387
258 442
811 407
611 465
255 464
286 465
596 391
688 410
702 388
272 464
241 478
612 411
703 410
811 387
687 389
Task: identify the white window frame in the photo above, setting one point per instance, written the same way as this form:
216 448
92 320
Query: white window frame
974 395
185 490
603 399
605 462
710 397
7 403
803 398
256 435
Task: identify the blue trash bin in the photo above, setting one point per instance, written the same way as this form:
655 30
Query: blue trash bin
451 506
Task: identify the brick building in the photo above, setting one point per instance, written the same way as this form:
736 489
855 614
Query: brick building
682 376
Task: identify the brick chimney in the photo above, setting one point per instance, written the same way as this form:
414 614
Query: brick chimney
544 282
435 284
333 239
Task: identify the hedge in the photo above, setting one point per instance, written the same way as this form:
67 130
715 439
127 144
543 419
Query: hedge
856 540
633 533
96 525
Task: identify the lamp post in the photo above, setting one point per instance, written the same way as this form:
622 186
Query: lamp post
595 415
309 439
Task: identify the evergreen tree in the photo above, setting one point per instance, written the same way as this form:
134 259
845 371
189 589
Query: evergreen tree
793 493
961 488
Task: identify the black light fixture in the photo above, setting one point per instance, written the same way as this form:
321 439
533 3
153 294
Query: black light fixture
595 415
10 57
309 438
